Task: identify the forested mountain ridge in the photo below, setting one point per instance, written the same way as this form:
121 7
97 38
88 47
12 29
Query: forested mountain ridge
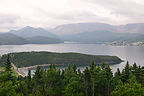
24 59
93 81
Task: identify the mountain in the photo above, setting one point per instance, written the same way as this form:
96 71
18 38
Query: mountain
93 37
69 29
32 32
11 39
131 28
35 36
28 35
103 37
43 40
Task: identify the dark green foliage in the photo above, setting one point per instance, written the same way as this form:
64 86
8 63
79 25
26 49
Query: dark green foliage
24 59
74 68
132 88
93 81
126 73
8 65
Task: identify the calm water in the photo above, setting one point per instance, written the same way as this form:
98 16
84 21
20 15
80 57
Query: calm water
127 53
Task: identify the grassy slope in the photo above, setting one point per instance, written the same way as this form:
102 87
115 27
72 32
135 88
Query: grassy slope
24 59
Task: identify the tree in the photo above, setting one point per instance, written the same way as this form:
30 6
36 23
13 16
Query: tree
132 88
74 68
92 66
8 65
7 89
118 73
37 82
37 75
52 83
87 79
29 82
73 88
109 76
126 73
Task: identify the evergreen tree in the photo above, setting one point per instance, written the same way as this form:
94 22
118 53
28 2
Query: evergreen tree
132 88
37 75
8 65
92 66
29 82
87 80
109 76
126 73
74 68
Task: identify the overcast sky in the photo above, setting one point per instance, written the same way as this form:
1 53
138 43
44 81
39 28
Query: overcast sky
15 14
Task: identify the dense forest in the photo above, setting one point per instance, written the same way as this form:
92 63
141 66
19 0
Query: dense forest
24 59
93 81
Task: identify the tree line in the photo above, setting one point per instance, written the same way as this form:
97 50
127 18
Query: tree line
93 81
25 59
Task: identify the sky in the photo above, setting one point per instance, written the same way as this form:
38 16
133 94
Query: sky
15 14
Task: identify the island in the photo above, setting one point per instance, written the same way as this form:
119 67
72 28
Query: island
25 59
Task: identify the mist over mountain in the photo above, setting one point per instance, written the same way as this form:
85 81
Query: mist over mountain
32 32
103 37
28 35
100 32
92 37
69 29
43 40
81 32
131 28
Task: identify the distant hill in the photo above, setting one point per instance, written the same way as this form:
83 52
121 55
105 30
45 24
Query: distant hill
32 32
28 35
131 28
93 37
11 39
43 40
69 29
103 36
80 32
24 59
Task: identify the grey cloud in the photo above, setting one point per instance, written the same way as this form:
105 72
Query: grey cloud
7 18
41 15
127 8
75 15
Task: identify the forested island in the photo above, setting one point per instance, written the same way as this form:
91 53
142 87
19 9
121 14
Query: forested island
93 81
25 59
